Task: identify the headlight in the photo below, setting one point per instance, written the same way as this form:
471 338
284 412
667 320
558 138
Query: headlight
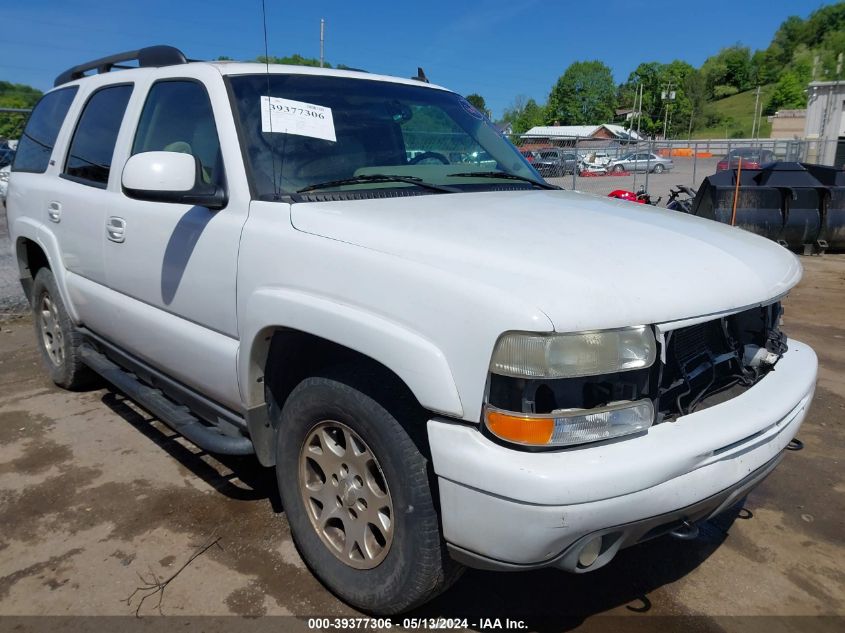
530 355
4 176
570 426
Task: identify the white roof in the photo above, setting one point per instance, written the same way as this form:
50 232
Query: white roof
579 131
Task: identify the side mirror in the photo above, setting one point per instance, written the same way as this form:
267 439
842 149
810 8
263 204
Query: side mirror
170 177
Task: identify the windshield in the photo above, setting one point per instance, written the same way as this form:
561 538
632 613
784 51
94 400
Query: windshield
320 130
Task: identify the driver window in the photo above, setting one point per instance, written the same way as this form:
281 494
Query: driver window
177 117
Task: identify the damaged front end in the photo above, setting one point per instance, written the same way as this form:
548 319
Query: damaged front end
696 366
711 362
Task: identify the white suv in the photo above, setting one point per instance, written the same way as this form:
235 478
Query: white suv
448 363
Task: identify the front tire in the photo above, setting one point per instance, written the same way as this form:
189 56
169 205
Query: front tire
58 340
357 494
618 169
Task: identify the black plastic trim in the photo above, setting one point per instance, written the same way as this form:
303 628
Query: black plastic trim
148 57
202 406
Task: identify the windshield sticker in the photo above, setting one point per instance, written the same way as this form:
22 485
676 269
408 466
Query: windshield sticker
471 109
285 116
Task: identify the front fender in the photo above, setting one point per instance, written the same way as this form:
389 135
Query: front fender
417 361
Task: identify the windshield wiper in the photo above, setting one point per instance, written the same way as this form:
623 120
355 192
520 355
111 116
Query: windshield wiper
506 176
411 180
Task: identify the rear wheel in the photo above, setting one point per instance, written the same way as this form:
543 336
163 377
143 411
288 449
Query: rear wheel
658 169
356 490
58 340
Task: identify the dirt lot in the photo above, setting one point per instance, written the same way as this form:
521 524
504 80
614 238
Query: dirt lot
94 493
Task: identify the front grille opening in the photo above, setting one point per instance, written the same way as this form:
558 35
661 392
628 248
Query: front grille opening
709 363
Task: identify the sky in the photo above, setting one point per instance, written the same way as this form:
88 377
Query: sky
499 49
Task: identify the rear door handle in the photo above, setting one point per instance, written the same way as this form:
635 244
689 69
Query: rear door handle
54 211
116 229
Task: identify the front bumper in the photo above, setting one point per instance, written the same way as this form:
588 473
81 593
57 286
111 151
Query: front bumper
510 509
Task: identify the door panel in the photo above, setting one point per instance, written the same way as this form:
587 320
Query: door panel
80 201
171 267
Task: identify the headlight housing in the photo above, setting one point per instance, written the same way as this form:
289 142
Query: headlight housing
540 355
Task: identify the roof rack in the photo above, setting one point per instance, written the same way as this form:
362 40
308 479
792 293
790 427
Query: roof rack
148 57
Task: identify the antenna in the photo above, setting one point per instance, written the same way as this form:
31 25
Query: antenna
276 187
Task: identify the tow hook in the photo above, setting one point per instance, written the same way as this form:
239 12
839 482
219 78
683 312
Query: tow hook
795 444
686 531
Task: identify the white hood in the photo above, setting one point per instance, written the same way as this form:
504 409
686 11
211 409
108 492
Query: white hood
586 261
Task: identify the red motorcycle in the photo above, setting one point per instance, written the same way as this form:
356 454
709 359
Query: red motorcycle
642 196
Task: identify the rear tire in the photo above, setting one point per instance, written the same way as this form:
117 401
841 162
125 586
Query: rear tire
658 169
58 340
357 493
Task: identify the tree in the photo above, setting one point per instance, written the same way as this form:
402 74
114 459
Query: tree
292 60
679 77
478 103
728 72
585 94
523 114
15 96
788 94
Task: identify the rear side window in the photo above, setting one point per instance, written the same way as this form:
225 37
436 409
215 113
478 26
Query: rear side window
41 130
177 117
90 155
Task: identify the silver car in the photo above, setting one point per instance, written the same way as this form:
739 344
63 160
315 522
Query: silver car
641 161
4 183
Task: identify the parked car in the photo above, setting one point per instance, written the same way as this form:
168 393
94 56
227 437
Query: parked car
6 157
555 162
447 364
4 182
596 158
641 161
530 155
752 158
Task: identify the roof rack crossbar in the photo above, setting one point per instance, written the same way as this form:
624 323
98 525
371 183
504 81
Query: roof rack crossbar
148 57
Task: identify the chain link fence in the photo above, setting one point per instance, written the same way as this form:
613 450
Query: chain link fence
600 166
12 122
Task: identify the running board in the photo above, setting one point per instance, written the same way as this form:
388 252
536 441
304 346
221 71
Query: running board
177 417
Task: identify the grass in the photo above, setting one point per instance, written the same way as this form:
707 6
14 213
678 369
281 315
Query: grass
738 116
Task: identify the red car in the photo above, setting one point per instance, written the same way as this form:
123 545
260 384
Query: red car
752 158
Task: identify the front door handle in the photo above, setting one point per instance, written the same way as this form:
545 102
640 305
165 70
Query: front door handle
54 211
116 229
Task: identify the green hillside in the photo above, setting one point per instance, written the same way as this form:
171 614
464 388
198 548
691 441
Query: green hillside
732 117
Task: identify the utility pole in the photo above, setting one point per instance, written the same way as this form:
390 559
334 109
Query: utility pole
668 96
322 39
754 121
640 112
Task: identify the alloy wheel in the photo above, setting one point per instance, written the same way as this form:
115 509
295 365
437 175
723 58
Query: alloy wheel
345 494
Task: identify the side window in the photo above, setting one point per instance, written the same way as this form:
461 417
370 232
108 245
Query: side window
177 117
90 155
41 130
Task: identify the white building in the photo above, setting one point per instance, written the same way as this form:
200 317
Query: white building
826 123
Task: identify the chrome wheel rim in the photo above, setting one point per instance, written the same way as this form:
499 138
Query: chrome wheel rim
345 494
51 330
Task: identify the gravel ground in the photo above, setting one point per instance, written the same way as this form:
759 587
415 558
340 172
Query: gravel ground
94 493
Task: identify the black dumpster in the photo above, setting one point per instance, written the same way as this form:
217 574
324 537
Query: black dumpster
799 205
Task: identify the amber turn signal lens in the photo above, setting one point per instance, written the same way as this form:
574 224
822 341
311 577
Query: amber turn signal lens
524 430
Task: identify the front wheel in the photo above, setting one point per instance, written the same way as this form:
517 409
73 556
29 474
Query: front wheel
619 169
357 494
